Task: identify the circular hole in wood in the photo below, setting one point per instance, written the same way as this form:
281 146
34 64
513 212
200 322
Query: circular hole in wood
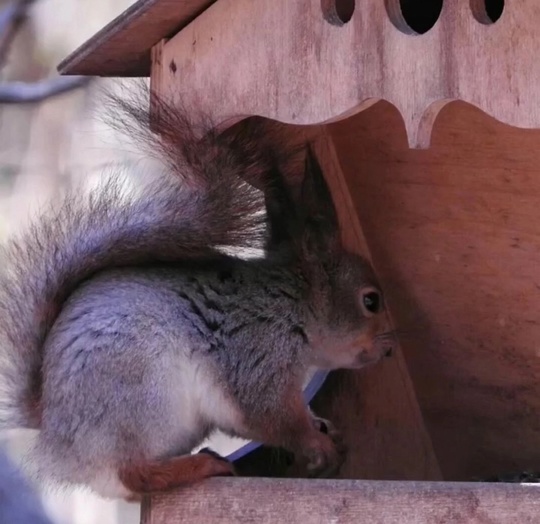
338 12
487 11
414 17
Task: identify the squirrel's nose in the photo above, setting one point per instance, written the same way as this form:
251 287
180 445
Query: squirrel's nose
389 352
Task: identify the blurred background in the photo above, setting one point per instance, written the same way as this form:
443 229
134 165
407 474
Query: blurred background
44 148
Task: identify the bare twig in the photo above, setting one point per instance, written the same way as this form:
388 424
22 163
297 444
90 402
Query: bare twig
12 19
26 93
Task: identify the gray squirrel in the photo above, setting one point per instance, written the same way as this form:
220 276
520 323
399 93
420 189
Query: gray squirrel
128 332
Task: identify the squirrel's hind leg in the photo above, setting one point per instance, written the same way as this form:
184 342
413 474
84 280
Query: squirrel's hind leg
167 474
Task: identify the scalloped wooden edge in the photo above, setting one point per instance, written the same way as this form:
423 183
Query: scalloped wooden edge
282 60
336 69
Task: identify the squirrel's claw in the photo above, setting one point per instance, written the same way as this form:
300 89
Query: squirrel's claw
326 427
323 458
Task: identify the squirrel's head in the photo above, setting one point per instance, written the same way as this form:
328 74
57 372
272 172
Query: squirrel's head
347 325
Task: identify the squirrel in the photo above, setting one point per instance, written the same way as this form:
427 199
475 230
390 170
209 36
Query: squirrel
129 331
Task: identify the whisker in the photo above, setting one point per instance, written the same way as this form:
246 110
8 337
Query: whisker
395 333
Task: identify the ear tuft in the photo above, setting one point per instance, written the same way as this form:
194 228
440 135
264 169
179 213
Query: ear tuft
281 212
320 217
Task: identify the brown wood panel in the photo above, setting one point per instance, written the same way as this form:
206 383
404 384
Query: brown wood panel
122 48
376 408
268 501
454 233
293 61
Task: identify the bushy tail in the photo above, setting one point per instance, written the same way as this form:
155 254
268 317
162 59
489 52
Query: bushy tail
202 202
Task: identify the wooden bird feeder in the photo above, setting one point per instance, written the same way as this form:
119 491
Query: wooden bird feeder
427 122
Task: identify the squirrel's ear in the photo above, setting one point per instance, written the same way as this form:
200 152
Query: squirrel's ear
281 212
320 217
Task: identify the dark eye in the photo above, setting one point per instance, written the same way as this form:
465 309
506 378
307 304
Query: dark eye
372 301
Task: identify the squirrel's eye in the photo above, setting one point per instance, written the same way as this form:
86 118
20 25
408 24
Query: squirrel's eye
372 302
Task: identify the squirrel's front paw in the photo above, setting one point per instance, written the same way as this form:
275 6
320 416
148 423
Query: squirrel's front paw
326 427
221 467
324 459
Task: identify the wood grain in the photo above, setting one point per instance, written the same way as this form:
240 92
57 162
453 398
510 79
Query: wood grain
268 501
376 408
454 234
284 60
122 48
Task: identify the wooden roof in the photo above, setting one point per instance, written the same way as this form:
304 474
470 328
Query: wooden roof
122 48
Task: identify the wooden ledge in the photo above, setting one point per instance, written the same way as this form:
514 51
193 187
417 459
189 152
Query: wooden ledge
122 48
305 501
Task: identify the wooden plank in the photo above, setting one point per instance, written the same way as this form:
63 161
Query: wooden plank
122 48
268 501
376 409
454 232
291 61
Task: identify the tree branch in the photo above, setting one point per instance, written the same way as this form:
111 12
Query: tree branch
27 93
12 18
